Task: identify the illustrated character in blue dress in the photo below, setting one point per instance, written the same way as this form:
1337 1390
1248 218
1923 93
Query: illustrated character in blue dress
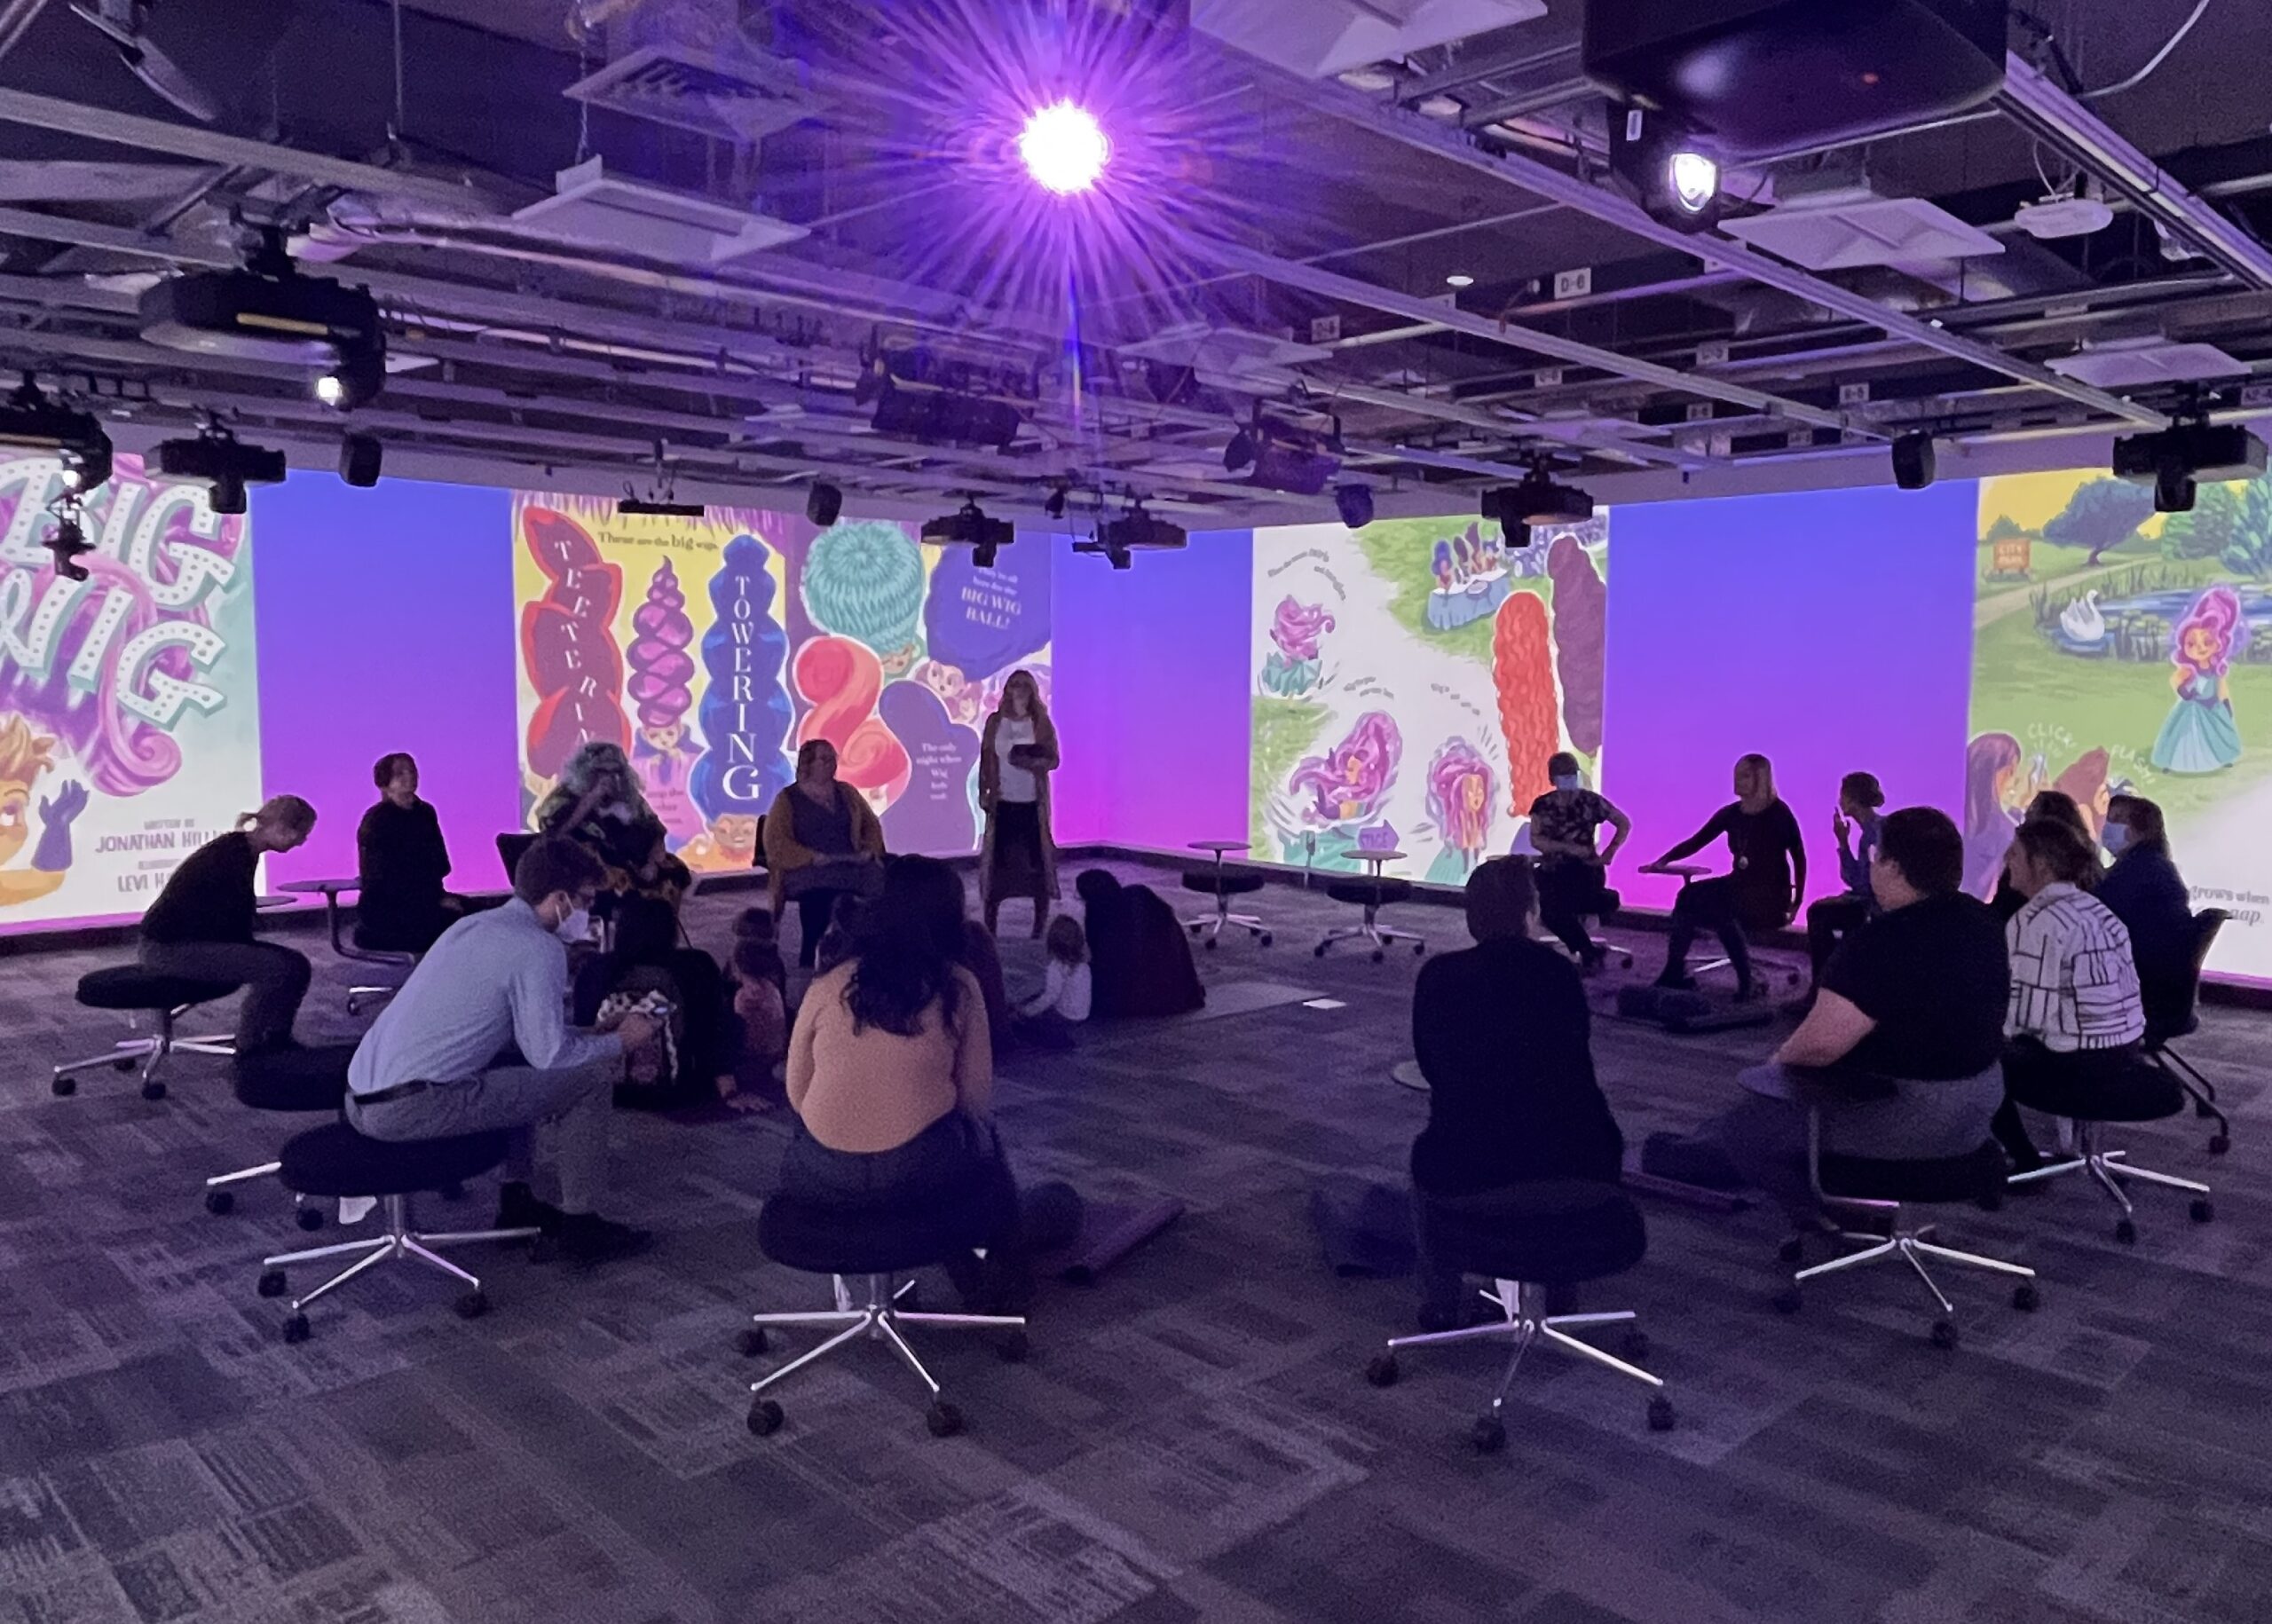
2200 735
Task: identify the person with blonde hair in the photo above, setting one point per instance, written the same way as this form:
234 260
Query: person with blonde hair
201 927
1016 755
1763 890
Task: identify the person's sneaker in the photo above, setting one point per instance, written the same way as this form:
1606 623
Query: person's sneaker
587 1239
519 1208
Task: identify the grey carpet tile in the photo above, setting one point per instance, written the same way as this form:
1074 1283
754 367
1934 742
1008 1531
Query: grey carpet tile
1191 1441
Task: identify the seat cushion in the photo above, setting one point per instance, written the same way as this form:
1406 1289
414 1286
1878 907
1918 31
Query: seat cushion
1550 1233
293 1079
1938 1178
1374 892
1234 884
819 1239
132 987
2140 1092
335 1159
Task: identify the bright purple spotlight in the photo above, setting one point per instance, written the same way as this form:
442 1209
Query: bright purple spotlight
1064 148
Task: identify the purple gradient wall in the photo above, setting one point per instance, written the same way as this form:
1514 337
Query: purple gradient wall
386 623
1151 685
1830 630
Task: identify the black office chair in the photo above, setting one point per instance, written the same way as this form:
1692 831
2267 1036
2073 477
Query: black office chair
511 846
349 944
166 998
335 1160
2142 1093
1371 895
1223 884
1524 1240
821 1239
2173 1011
1887 1188
303 1082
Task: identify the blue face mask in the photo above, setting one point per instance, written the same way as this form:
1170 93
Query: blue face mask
2114 836
1565 781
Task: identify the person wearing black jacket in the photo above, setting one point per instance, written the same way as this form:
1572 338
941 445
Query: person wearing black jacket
1504 1036
403 860
2144 890
1762 892
201 925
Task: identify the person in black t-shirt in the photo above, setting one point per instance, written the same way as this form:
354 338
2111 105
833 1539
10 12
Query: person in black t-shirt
200 927
1900 1052
1502 1034
1761 893
1564 824
402 860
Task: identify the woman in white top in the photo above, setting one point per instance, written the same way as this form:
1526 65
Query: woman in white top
1015 757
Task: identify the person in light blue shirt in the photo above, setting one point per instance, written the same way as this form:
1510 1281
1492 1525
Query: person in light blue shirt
1833 918
429 1068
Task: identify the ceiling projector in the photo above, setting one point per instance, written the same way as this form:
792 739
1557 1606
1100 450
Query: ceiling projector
298 320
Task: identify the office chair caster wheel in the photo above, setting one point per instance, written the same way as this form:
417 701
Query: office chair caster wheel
1661 1414
1419 950
309 1218
943 1418
1944 1337
2201 1211
63 1088
1633 1347
1318 951
1265 938
2025 1297
220 1204
1213 942
1381 1370
1787 1300
1792 1250
1379 954
2201 1110
2218 1143
1015 1347
153 1090
764 1417
1194 929
272 1282
473 1304
1488 1435
2126 1233
750 1341
126 1064
295 1328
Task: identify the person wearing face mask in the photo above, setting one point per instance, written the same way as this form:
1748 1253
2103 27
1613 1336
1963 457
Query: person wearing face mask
429 1068
1564 824
201 925
823 842
2144 890
1016 755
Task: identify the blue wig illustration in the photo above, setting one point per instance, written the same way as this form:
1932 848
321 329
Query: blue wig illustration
745 713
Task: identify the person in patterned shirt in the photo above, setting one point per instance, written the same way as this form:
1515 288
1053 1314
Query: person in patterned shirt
1564 825
2076 1020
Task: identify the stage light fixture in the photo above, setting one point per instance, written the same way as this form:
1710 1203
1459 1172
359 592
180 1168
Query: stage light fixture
1239 455
1055 506
359 457
1459 279
221 464
1654 159
358 378
659 508
330 390
66 544
1355 505
985 553
1694 180
1519 509
1064 148
823 504
969 527
1913 460
30 420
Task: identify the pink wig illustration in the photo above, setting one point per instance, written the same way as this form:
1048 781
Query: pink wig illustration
1459 796
1296 628
2216 611
1350 782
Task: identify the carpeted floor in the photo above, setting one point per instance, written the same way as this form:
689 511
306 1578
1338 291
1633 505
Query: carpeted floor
1192 1439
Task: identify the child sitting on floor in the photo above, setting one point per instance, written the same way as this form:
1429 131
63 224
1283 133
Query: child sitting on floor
1047 1019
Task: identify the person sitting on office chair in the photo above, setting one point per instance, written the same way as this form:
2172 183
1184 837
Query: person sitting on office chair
1502 1035
2059 808
1899 1052
1855 825
2076 1022
1565 822
1762 891
428 1068
2150 896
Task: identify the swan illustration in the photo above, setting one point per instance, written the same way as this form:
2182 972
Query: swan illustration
2081 622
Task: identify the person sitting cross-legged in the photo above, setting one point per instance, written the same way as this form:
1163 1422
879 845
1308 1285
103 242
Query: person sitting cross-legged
1899 1053
431 1067
1502 1034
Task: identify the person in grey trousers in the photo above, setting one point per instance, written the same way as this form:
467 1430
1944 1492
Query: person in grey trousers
431 1067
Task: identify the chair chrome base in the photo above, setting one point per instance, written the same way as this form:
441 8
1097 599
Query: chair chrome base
398 1240
1209 926
359 996
1912 1245
879 1318
147 1055
1524 1322
2108 1169
1380 935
